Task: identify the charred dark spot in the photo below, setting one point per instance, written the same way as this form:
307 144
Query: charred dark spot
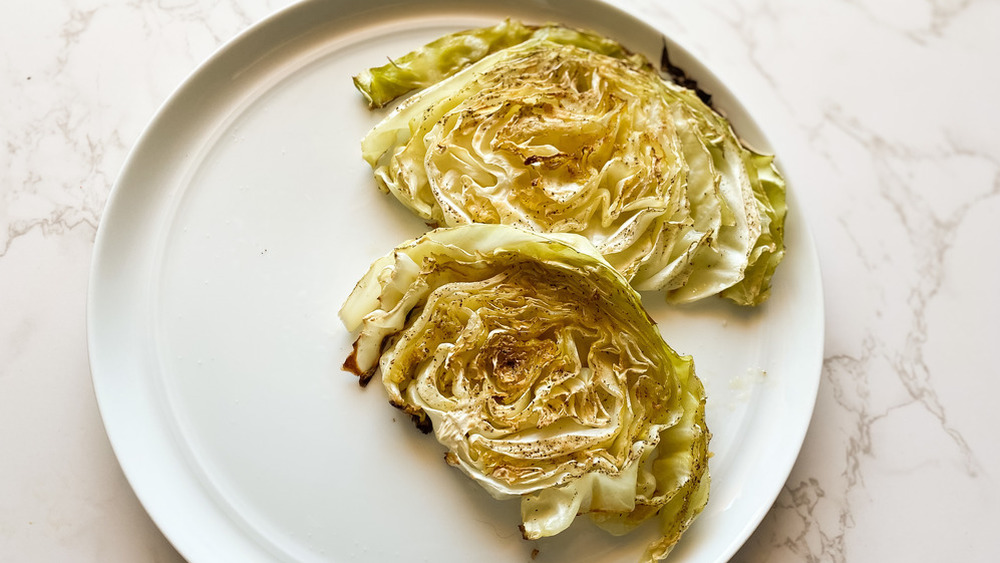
678 75
351 365
419 417
366 377
551 162
508 359
422 423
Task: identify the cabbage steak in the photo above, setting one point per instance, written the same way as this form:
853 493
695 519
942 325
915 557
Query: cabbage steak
534 363
561 131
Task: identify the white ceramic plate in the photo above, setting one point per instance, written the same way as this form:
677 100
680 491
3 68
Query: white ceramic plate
241 221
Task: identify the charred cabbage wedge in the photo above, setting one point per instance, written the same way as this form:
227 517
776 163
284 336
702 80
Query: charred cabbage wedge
534 363
557 130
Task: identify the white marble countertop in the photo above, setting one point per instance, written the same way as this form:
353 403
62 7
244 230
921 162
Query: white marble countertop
886 110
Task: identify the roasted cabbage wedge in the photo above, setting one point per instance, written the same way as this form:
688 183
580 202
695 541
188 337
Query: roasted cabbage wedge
563 131
534 363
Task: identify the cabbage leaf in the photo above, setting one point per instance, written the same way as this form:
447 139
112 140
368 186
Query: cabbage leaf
534 363
562 131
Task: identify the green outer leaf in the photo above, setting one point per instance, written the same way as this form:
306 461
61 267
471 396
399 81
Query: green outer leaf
447 55
769 191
